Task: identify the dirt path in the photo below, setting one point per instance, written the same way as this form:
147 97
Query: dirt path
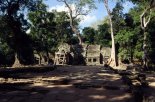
66 84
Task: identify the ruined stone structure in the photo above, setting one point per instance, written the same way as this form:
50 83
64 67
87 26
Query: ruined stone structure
81 54
40 59
105 53
93 55
43 59
61 57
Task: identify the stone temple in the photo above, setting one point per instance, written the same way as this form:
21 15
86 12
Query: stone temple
82 55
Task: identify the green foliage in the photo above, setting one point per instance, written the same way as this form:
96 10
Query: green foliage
117 17
82 7
151 37
142 2
126 39
89 35
130 37
125 36
14 12
135 14
49 29
6 54
63 30
103 36
42 28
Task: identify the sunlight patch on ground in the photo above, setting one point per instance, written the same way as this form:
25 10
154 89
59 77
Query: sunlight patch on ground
121 97
97 96
152 84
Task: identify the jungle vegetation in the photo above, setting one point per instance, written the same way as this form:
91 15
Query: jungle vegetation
27 27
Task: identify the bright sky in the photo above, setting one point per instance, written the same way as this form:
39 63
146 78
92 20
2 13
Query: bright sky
95 15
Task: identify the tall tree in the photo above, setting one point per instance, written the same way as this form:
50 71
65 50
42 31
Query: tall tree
132 26
145 17
113 60
42 30
151 32
14 12
76 9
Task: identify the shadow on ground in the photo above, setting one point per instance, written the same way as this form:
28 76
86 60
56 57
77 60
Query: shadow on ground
65 84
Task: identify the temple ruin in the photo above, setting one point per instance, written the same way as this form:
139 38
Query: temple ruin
61 57
81 54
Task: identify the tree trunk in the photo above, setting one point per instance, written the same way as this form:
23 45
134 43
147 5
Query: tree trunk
16 62
77 33
145 19
80 39
112 61
40 58
73 26
131 55
113 50
47 55
145 51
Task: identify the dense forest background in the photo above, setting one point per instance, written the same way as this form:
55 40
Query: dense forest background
27 27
